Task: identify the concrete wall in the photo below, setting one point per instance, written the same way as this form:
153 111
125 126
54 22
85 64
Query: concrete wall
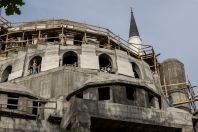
83 110
87 58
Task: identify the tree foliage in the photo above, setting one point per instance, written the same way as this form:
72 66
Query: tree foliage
11 6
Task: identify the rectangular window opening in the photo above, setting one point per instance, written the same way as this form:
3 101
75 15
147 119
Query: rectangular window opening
12 101
80 95
150 97
130 93
35 107
104 93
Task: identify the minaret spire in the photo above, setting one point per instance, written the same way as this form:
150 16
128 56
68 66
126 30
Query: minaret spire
133 27
134 36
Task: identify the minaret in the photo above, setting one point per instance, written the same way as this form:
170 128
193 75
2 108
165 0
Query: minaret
134 37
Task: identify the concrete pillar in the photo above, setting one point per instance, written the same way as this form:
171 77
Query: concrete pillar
155 103
22 103
29 106
141 97
25 105
188 129
3 100
93 94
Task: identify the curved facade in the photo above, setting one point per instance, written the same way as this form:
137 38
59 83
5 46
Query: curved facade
172 72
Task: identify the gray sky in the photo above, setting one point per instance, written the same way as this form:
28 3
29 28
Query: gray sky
171 26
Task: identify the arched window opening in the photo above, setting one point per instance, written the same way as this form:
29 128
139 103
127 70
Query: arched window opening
35 65
136 70
130 92
6 74
70 59
105 63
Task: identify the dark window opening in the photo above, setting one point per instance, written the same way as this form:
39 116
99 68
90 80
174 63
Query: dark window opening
35 65
105 63
170 100
78 40
150 97
136 74
80 95
136 70
104 93
70 59
12 101
6 73
3 46
35 107
130 93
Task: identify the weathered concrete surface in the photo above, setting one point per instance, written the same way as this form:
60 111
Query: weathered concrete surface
23 125
170 118
173 74
62 81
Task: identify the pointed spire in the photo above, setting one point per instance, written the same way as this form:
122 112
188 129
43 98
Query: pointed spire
133 27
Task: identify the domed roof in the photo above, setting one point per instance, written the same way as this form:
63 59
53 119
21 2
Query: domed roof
17 89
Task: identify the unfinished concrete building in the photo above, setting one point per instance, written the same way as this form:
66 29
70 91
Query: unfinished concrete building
60 75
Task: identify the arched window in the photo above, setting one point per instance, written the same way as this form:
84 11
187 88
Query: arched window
105 63
5 74
35 65
136 70
70 59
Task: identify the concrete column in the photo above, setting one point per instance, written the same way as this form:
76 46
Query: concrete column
3 100
155 103
141 97
188 129
25 104
29 106
93 94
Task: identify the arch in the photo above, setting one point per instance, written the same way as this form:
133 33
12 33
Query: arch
70 58
136 70
5 74
105 63
35 65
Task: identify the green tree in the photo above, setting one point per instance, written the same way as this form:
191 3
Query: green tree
11 6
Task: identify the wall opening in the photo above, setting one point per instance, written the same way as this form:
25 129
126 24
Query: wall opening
105 63
78 39
35 108
35 65
170 100
150 98
80 95
70 59
12 101
130 92
104 93
136 70
3 47
6 73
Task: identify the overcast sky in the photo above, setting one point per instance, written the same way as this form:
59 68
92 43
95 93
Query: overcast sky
171 26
